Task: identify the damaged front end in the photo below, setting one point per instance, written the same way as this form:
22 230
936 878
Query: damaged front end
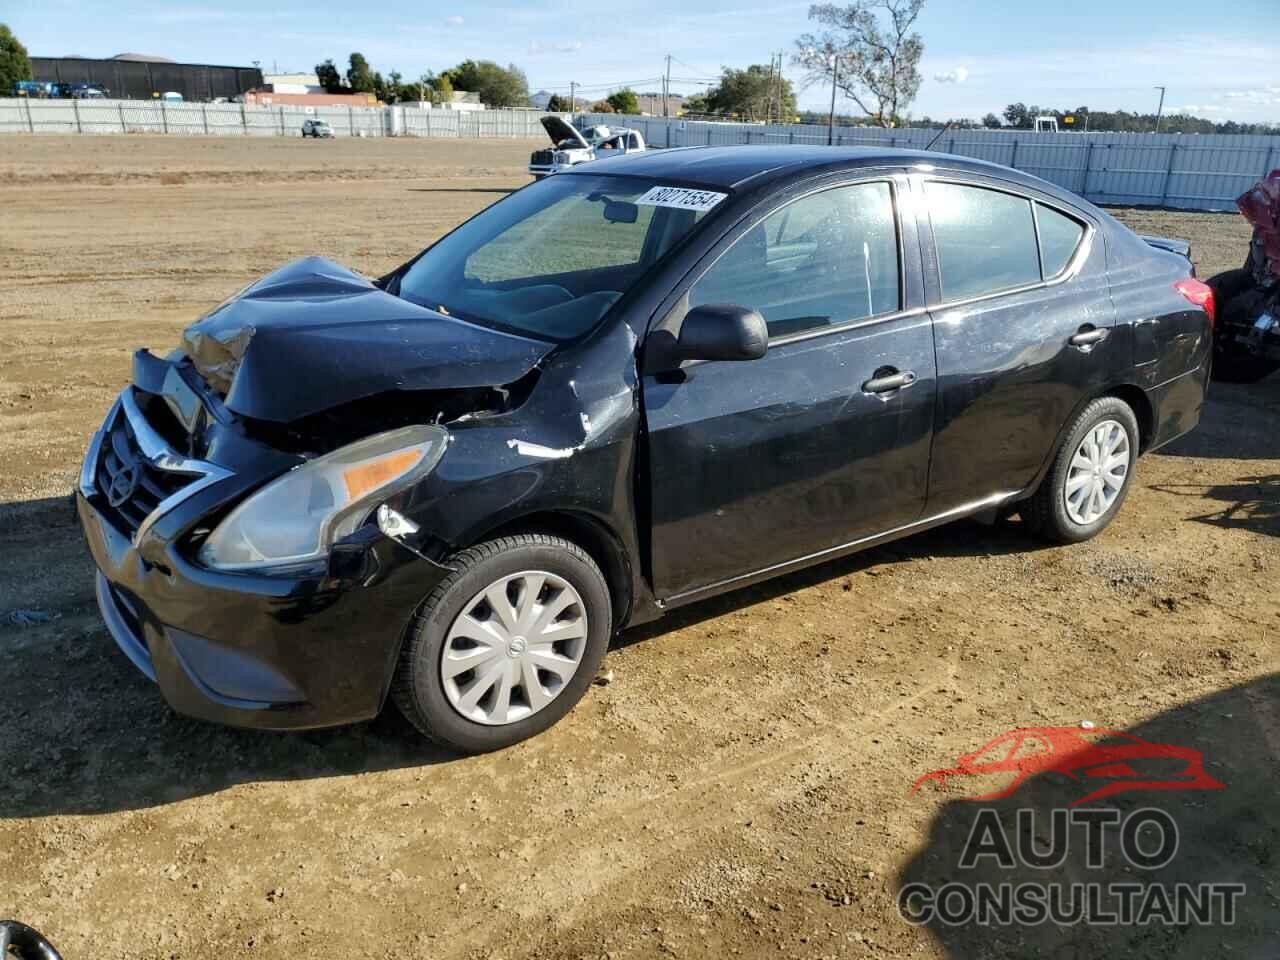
1247 337
269 505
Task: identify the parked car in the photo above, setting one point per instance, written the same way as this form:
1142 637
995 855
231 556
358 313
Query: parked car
572 146
171 96
316 128
1247 336
629 387
33 89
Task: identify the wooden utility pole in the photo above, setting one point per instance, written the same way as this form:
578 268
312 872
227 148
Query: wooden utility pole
831 118
666 88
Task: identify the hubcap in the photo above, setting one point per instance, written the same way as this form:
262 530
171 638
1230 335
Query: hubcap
1098 472
514 647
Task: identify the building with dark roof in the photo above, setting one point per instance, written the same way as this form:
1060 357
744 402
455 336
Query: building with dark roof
135 76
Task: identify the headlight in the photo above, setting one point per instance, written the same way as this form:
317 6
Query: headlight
297 517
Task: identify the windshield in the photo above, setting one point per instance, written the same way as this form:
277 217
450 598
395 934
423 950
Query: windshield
550 260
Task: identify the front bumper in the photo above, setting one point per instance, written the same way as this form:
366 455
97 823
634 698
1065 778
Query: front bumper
250 650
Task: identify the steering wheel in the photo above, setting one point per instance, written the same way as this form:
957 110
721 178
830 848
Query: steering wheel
25 942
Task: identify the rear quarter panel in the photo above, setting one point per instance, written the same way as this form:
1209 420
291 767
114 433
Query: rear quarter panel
1172 339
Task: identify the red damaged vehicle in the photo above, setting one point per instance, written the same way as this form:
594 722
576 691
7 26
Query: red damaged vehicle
1247 336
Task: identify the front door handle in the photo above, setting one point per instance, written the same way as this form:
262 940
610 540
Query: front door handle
1089 338
887 380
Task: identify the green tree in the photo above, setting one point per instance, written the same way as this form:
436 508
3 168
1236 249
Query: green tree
868 51
497 86
15 65
756 93
991 121
441 90
695 104
559 104
329 78
359 76
624 101
1018 116
395 87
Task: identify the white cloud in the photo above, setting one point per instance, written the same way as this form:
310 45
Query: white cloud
567 46
454 21
1260 95
958 75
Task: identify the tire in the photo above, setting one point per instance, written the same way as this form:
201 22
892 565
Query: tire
1048 512
435 705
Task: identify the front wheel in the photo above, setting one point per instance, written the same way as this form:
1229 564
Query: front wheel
506 644
1090 476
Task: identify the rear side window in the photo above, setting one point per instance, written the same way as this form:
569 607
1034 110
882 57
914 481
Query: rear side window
819 261
1060 235
986 239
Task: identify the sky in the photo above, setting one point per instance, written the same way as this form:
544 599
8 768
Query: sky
1221 62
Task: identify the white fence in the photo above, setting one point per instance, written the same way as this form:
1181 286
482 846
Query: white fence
1166 170
1200 172
22 115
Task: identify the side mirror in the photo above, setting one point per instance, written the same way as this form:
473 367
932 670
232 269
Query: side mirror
722 331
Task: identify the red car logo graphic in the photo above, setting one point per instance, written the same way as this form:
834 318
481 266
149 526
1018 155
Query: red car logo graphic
1084 755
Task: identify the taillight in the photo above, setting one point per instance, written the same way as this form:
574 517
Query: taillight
1199 293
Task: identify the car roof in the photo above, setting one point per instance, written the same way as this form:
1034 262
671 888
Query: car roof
735 167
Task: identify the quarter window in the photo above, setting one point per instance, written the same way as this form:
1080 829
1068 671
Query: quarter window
1059 237
986 240
822 260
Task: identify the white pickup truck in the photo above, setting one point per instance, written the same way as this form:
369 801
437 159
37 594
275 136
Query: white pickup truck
572 146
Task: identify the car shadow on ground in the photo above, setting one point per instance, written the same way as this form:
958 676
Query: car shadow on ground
1239 422
1224 835
1251 503
959 539
83 732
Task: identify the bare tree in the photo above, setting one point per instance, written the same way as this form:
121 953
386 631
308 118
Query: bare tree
874 64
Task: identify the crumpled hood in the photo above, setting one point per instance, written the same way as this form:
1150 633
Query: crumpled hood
314 335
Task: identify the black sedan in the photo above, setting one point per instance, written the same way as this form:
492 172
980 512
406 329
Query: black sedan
622 389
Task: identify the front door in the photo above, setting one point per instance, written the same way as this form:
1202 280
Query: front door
1023 325
825 439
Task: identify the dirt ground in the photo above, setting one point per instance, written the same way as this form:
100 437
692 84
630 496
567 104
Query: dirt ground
742 787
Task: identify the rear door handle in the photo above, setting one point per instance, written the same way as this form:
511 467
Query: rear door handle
1088 338
887 382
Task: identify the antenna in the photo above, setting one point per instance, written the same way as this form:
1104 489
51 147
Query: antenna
938 135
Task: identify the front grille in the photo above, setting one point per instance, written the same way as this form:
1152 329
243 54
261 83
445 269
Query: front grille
131 486
542 157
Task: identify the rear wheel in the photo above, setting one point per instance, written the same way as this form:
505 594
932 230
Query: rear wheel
1090 476
506 644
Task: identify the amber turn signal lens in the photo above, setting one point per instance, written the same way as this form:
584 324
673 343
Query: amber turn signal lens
369 476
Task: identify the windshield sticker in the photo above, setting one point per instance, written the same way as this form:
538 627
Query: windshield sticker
681 198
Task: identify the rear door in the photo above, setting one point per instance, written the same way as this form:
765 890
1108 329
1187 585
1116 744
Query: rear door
1023 324
754 464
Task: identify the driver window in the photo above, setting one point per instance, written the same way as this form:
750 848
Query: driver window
819 261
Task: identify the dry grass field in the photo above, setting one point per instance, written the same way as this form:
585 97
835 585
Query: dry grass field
742 787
